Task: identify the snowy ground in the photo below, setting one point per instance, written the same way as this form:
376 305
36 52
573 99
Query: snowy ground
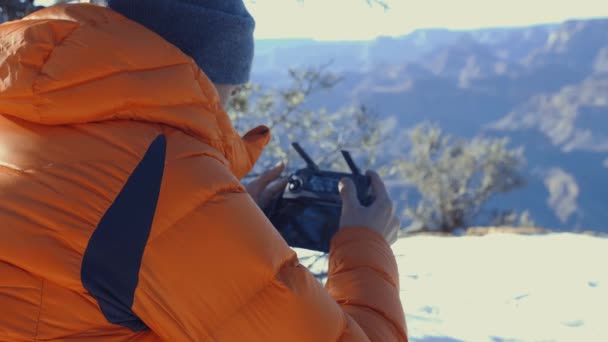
505 287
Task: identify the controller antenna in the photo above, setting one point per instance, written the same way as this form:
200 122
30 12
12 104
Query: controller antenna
351 163
311 164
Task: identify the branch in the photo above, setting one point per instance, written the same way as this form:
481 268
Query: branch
380 3
312 80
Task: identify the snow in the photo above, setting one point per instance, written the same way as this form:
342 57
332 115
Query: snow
504 287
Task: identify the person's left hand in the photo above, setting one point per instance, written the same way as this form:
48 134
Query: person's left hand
268 186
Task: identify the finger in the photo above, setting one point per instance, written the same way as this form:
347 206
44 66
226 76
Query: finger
378 187
267 177
396 223
272 191
254 189
277 186
390 238
348 193
395 228
394 238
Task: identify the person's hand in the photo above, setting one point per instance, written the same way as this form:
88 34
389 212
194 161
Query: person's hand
379 216
268 186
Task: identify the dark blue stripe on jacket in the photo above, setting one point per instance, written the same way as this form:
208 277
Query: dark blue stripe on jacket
110 267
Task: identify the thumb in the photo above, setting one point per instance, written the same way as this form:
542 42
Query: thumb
348 193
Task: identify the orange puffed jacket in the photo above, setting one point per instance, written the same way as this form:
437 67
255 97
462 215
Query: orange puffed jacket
122 215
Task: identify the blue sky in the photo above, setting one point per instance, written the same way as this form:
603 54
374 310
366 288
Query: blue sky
354 19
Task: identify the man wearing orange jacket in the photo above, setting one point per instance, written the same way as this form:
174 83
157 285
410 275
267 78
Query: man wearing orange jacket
122 215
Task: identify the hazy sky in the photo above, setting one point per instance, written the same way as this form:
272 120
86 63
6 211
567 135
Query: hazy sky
354 19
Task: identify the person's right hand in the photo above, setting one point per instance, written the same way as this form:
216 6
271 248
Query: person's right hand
379 216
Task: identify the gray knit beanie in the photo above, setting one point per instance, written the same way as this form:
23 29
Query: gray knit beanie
217 34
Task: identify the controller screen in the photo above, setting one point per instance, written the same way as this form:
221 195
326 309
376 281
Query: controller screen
324 184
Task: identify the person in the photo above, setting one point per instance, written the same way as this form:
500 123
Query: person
122 214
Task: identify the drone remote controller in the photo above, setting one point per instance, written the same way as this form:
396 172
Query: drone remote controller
307 214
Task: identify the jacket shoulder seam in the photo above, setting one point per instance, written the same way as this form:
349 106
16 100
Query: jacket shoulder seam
35 103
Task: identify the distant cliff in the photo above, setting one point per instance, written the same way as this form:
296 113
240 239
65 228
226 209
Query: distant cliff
545 87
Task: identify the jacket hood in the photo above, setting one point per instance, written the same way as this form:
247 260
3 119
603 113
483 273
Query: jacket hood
82 63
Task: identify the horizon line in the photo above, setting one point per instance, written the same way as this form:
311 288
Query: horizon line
435 28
